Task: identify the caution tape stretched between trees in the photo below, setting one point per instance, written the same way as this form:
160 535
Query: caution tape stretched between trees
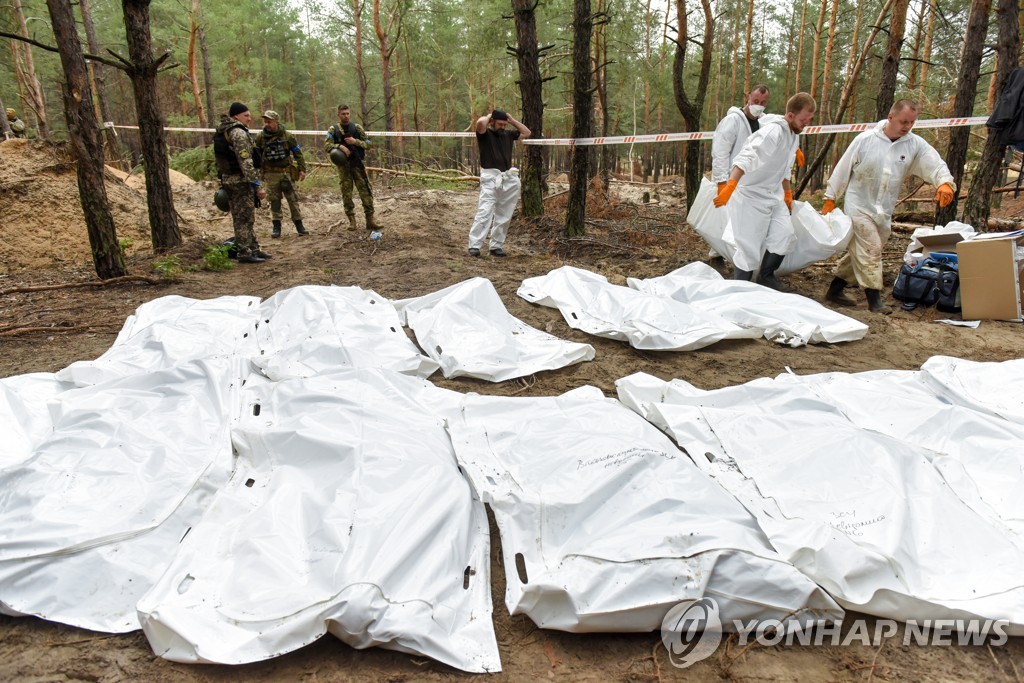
618 139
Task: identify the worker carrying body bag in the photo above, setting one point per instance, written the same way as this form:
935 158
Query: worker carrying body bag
934 281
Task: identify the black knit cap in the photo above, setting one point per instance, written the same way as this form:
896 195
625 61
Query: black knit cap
499 115
237 108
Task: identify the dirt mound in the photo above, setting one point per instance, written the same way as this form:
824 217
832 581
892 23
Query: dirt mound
137 181
41 213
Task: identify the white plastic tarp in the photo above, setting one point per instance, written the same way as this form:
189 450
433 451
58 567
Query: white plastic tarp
788 319
24 413
309 330
865 515
347 513
171 330
817 237
988 387
467 330
88 521
588 302
605 525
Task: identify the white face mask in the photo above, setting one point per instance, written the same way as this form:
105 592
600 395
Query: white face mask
756 110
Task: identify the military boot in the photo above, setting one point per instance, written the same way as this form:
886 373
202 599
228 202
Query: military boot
738 274
299 228
372 224
351 221
875 302
769 263
276 230
835 293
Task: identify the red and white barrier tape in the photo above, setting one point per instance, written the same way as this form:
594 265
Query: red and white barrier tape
621 139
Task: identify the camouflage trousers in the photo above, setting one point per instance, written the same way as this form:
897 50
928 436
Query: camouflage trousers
243 216
349 176
279 184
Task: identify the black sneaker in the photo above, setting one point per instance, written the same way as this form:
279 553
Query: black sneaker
250 258
498 252
263 255
473 251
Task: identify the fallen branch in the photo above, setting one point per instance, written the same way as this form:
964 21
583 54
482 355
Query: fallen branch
72 285
29 330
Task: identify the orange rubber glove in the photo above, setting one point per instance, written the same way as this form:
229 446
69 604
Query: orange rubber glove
800 160
828 207
723 194
788 198
720 186
944 194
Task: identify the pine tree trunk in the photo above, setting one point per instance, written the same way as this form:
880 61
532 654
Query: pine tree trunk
163 221
929 33
827 69
33 90
735 52
891 61
582 116
314 103
208 76
692 107
84 134
817 47
99 81
916 56
527 54
986 175
5 127
963 104
799 50
749 47
193 72
357 19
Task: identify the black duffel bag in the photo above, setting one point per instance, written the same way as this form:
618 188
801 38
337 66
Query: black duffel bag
928 283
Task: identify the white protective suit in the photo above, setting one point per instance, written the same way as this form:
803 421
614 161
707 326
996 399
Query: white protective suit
499 193
871 171
730 135
759 216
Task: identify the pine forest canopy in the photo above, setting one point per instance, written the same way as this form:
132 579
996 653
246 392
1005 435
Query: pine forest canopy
447 61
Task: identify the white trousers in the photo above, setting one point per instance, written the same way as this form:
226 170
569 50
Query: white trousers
499 194
759 223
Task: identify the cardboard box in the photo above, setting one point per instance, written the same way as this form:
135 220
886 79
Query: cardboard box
943 243
990 278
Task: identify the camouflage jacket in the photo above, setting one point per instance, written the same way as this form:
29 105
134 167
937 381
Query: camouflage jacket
336 137
239 143
279 149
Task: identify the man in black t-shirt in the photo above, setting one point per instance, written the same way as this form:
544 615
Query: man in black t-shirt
499 180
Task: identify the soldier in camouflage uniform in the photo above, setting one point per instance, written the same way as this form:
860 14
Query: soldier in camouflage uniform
351 140
283 164
16 124
232 147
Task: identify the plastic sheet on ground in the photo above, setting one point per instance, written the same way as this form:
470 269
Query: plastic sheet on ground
988 387
864 514
347 513
309 330
788 319
24 413
817 237
171 330
588 302
466 329
605 525
88 521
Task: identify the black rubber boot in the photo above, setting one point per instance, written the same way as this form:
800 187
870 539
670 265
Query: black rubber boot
769 263
738 274
300 229
835 293
276 230
875 302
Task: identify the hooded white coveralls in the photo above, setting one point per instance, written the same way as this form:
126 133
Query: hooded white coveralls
758 213
871 171
732 131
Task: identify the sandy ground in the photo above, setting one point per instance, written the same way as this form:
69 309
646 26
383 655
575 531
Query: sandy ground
424 250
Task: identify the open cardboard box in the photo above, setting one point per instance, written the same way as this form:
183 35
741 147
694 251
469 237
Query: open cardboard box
991 278
942 243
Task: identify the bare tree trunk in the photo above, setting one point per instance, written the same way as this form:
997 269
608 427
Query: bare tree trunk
977 204
36 101
827 70
963 104
312 75
748 48
817 46
929 33
387 43
528 54
916 56
357 19
735 52
193 74
163 221
208 75
84 134
789 53
5 127
846 97
606 154
99 81
799 50
692 107
891 61
582 115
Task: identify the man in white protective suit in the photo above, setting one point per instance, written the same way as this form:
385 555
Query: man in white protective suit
871 171
760 179
499 180
730 134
